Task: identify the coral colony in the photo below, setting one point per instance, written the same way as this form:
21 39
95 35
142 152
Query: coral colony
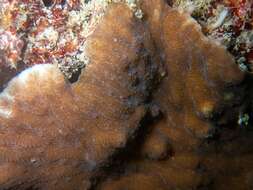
126 94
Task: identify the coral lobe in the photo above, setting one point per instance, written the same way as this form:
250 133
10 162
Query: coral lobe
55 135
159 68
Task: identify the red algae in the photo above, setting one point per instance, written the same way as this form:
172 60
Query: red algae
54 32
49 32
228 21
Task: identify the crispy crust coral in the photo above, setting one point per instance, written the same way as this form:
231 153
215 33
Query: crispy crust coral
194 97
55 135
207 69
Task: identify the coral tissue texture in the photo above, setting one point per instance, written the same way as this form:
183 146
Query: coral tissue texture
155 108
197 96
54 135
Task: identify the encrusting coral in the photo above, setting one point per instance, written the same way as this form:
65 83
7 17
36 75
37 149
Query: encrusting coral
194 99
57 135
54 135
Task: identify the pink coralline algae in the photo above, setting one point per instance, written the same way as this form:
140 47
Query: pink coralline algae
228 21
41 32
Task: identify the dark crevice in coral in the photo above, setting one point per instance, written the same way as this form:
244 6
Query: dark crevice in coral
240 105
63 2
7 73
248 101
169 2
48 3
229 140
75 76
18 187
117 164
87 1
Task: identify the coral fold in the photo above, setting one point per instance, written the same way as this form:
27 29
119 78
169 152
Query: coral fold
54 135
155 107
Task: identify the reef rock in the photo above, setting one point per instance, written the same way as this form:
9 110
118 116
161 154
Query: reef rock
55 135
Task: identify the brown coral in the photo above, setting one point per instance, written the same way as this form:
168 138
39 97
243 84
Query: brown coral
55 135
194 97
62 136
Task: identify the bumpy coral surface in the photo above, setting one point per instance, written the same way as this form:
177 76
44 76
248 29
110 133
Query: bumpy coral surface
55 135
115 128
193 97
